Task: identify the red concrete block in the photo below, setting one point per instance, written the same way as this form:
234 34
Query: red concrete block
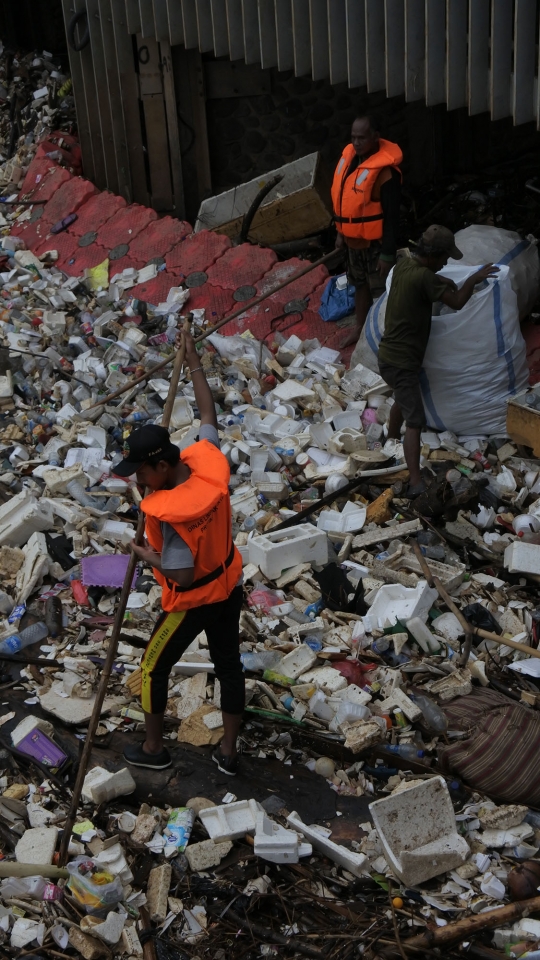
38 168
68 199
83 258
31 233
298 289
125 225
52 179
216 301
96 212
158 238
241 265
155 291
64 243
197 252
116 266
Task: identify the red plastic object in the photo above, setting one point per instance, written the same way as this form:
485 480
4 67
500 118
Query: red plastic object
197 252
95 212
125 225
158 238
353 670
82 258
64 243
241 265
80 593
52 179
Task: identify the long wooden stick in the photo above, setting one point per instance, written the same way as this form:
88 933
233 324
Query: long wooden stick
242 309
468 927
468 628
115 636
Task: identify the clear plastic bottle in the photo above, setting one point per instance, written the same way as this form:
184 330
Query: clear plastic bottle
432 714
77 491
17 641
407 751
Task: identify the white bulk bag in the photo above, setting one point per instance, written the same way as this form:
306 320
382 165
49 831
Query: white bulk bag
482 244
475 359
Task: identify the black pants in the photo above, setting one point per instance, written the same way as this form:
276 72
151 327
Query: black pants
173 634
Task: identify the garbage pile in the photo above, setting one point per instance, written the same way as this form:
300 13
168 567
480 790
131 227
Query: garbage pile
354 661
35 104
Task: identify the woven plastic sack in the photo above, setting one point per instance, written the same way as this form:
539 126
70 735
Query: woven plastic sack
336 303
475 360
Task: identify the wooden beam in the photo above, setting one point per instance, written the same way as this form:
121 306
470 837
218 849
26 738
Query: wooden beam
157 144
129 86
175 154
115 100
83 121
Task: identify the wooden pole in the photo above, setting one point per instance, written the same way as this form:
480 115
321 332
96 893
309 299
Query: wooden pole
115 636
245 306
470 926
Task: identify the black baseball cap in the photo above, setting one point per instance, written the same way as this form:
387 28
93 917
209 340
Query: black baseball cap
141 445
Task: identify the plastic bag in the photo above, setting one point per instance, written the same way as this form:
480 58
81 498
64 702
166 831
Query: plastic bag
93 886
336 303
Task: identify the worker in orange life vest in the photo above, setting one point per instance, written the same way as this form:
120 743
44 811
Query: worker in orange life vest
366 193
191 550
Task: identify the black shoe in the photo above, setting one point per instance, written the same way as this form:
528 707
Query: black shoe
136 756
228 765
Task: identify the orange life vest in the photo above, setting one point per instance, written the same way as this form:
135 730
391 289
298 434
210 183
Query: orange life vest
356 214
200 511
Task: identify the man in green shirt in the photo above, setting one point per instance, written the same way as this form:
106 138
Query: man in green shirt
414 289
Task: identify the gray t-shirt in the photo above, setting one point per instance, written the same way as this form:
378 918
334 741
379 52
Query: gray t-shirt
175 553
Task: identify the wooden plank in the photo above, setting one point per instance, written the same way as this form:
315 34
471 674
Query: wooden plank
115 100
523 106
161 20
156 124
102 98
394 38
198 102
337 40
176 23
235 29
320 54
219 28
204 25
415 50
133 16
189 19
171 110
456 53
250 26
301 37
83 122
356 42
146 12
284 34
267 33
523 426
435 52
375 60
129 86
478 67
501 59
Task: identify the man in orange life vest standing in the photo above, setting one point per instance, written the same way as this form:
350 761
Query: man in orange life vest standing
190 547
366 193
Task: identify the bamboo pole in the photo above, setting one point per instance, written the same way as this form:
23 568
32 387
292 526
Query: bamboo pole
470 926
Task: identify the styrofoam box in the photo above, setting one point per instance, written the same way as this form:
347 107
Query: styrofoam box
394 602
22 516
522 557
280 549
230 821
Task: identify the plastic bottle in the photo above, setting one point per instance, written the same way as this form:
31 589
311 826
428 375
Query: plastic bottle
432 714
37 888
77 491
17 641
138 416
407 751
53 616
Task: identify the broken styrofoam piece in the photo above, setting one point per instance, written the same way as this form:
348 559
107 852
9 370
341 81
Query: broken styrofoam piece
456 684
522 557
417 830
37 845
394 602
276 844
297 661
22 516
280 549
102 785
355 863
202 856
230 820
348 521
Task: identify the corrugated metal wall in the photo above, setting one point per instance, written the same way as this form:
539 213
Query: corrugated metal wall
478 54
